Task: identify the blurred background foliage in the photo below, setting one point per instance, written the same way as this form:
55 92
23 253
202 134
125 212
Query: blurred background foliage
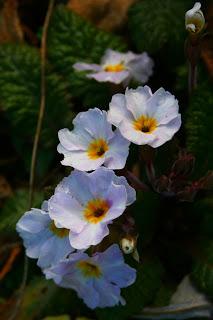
175 223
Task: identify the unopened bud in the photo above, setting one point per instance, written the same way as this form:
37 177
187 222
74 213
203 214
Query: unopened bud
194 19
128 245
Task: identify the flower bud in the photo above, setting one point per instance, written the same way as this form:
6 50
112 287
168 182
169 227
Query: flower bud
128 245
194 19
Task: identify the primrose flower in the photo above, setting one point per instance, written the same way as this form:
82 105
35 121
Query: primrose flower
144 117
97 279
42 239
119 67
194 19
85 203
92 143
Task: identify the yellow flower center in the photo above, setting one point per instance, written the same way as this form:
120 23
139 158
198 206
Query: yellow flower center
59 232
89 269
145 124
114 67
96 210
97 149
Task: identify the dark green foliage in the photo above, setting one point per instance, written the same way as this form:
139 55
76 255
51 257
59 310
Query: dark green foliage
203 210
36 296
155 24
145 211
202 272
20 99
72 39
139 294
163 296
15 207
199 133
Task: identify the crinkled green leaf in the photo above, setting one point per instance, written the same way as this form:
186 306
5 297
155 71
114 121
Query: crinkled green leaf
20 90
198 122
156 24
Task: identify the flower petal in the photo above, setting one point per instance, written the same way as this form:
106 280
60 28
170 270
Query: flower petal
106 76
135 136
91 235
67 211
141 67
117 197
80 160
131 194
94 121
136 100
77 185
81 66
115 157
31 223
73 141
109 293
165 133
118 111
162 106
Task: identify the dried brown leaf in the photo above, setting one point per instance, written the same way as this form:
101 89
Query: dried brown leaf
10 25
106 14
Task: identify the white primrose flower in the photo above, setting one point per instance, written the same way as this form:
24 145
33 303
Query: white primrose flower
85 203
119 67
43 240
194 19
97 279
144 117
92 143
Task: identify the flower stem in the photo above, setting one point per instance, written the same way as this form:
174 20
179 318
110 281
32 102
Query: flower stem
35 148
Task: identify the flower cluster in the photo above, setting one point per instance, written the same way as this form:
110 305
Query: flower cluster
77 215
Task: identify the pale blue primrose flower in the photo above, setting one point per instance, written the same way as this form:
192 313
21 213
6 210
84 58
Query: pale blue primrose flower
42 239
97 279
85 203
144 117
119 67
92 143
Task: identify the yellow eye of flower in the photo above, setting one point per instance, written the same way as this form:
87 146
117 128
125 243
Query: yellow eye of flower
97 149
145 124
89 269
96 210
114 67
59 232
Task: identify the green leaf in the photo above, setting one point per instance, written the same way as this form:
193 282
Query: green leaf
72 39
20 99
155 24
36 296
15 207
140 294
199 133
202 272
